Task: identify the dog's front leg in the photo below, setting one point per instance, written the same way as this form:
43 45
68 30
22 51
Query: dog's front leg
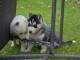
29 47
23 46
13 42
17 41
43 49
27 35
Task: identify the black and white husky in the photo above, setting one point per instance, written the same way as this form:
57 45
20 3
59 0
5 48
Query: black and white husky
38 30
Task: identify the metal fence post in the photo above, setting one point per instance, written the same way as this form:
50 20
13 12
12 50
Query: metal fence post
61 21
52 37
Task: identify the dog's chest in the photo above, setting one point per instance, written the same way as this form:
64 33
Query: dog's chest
37 37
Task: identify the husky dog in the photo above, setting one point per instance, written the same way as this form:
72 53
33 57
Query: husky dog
37 30
18 28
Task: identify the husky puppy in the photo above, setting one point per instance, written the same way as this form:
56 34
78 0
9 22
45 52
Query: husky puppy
18 28
36 30
39 30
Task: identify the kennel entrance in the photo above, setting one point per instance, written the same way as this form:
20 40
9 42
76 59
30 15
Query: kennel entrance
32 56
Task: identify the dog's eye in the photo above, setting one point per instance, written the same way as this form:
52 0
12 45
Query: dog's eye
35 26
20 33
29 25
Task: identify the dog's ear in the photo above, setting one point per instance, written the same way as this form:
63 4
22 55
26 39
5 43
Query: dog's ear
17 23
40 17
30 14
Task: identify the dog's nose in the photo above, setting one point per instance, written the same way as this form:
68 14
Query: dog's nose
30 31
24 39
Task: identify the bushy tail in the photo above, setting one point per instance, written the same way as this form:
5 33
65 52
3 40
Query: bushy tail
68 42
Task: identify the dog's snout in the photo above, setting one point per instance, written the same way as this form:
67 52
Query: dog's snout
30 31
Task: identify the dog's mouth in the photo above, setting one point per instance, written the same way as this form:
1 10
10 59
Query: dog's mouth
31 32
36 31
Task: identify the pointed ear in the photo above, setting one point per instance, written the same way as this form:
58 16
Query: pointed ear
30 14
40 17
17 23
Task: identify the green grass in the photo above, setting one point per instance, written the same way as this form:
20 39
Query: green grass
71 24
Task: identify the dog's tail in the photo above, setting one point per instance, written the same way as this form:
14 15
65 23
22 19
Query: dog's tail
64 43
68 42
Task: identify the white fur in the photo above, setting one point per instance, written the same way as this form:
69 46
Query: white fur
37 36
17 41
12 43
30 22
73 41
29 47
22 27
23 46
34 23
43 49
34 29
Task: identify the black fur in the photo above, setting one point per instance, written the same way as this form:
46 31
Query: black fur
46 29
35 17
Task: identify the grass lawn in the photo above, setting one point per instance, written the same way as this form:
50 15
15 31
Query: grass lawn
71 24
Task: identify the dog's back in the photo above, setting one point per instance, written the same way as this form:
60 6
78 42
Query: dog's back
47 31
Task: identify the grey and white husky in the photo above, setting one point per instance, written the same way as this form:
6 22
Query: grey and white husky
39 30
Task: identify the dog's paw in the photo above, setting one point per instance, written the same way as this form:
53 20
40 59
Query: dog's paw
43 50
17 42
12 45
22 50
27 50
